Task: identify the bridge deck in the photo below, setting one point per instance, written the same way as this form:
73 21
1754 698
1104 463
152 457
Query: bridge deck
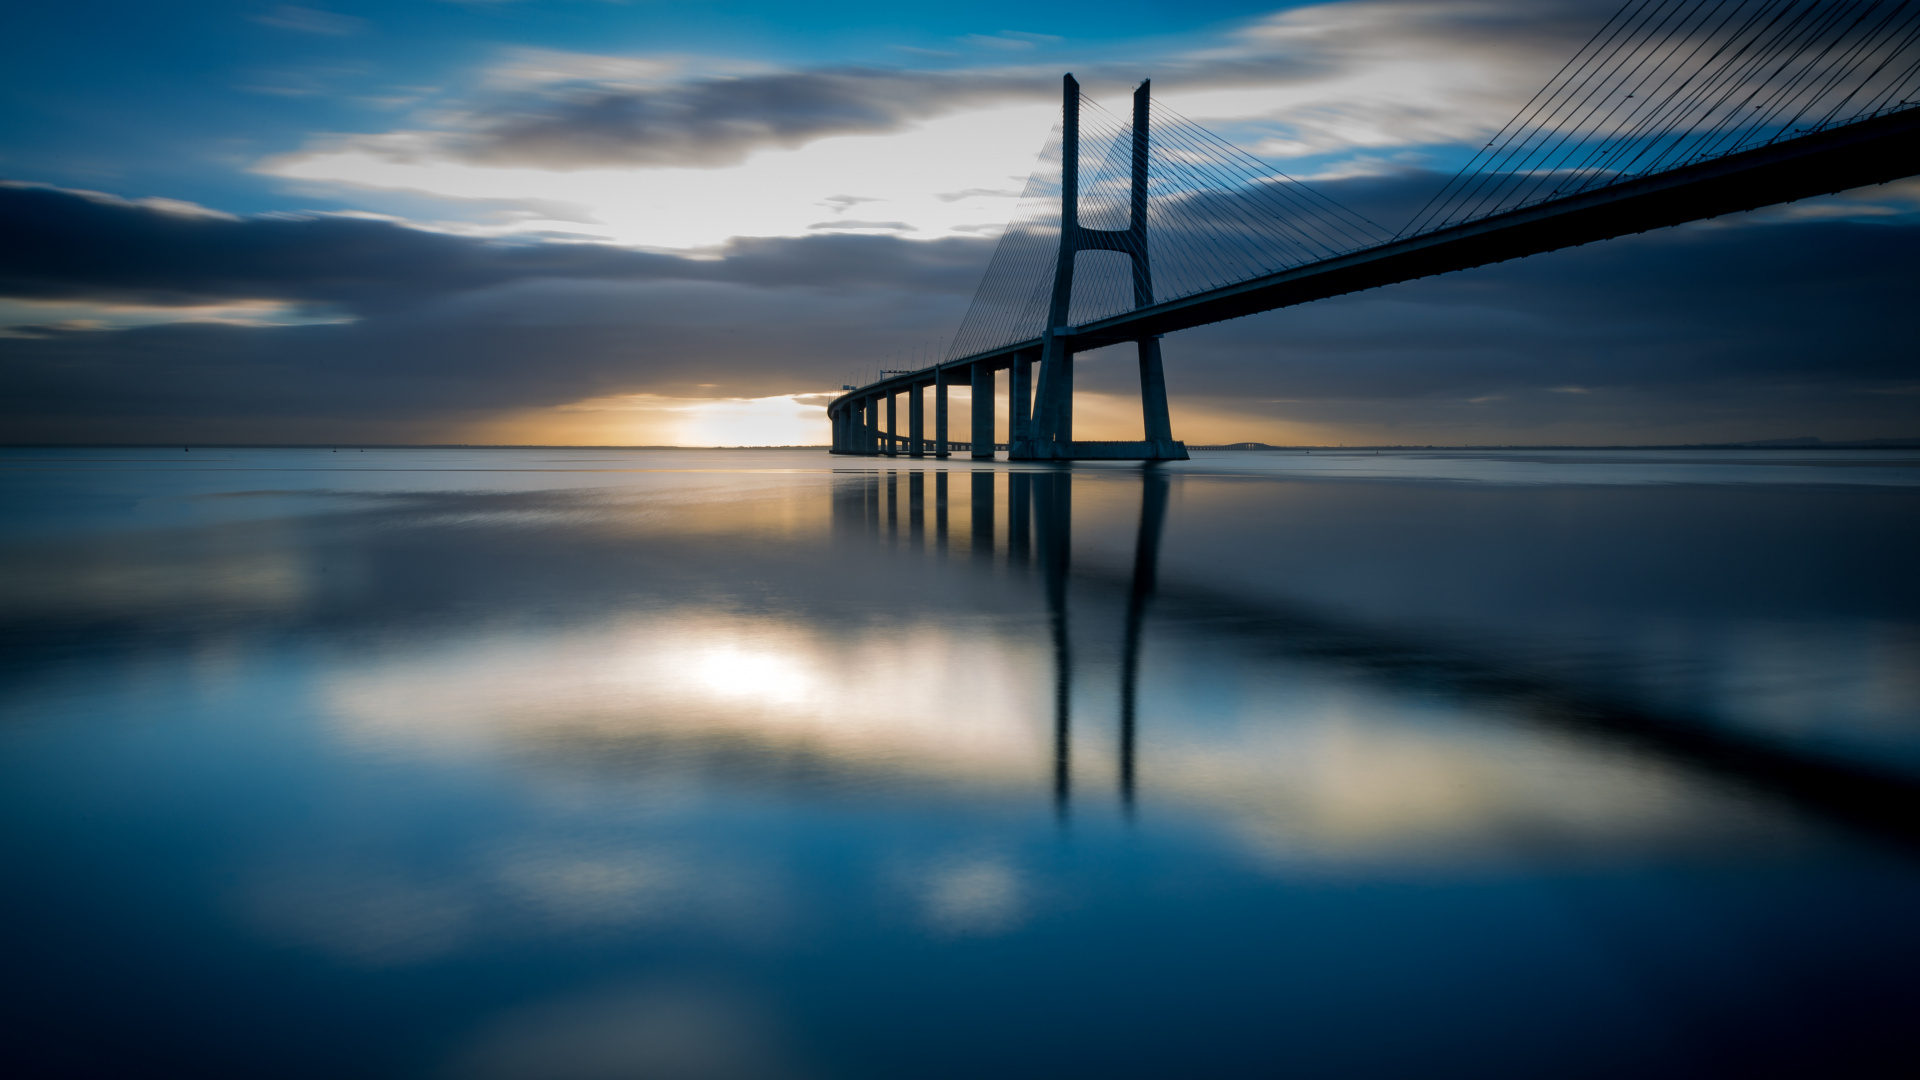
1855 155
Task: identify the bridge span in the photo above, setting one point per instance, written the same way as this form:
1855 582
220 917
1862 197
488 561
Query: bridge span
1729 117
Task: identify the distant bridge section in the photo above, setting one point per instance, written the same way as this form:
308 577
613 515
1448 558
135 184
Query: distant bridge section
1675 111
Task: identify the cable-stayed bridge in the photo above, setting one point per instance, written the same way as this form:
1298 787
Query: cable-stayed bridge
1129 229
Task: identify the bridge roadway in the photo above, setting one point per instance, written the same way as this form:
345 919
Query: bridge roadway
1874 151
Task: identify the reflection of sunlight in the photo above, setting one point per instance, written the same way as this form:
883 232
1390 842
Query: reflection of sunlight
731 671
929 705
1304 768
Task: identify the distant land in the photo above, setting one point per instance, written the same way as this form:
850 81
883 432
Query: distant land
1803 443
1807 442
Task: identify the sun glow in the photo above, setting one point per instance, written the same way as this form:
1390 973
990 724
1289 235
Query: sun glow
658 420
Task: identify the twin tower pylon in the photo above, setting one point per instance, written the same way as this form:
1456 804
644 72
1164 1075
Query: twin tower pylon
1040 418
1048 434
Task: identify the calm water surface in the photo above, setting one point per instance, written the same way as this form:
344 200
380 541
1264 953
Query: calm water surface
596 765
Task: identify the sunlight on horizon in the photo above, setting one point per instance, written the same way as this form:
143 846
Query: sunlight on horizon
658 420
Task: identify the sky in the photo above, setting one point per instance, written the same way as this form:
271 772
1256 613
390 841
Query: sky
596 222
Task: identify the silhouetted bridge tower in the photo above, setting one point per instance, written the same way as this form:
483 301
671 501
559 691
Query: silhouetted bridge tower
1674 111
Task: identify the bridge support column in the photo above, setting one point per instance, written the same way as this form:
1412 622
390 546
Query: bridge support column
1051 429
982 412
892 447
1153 404
1020 398
916 421
1049 435
940 437
865 444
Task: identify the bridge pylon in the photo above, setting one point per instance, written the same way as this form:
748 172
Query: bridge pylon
1047 435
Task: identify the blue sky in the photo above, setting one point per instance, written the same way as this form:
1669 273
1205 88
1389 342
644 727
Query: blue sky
181 97
684 222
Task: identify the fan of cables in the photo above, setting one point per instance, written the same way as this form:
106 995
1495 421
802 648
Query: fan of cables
1663 84
1668 83
1216 215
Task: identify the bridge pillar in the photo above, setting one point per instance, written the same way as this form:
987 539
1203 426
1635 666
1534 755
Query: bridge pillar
863 442
1051 429
892 448
982 412
940 437
916 421
1020 398
1049 434
1153 403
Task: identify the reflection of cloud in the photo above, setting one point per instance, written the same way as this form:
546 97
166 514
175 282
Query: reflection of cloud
395 911
661 1032
1349 775
973 897
574 888
375 918
70 580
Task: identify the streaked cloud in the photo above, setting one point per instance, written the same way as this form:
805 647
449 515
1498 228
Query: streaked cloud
308 20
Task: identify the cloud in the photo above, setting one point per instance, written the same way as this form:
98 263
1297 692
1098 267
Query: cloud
713 122
1011 40
307 20
58 245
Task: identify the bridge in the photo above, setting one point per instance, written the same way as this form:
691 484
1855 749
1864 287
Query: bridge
1674 111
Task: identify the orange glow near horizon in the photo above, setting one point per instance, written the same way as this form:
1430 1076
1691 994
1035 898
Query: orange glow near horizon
659 420
801 420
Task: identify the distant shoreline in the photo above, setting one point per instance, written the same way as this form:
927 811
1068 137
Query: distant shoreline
1761 444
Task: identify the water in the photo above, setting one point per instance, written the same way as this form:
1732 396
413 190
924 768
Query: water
577 765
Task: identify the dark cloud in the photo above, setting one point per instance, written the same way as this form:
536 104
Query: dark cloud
714 122
62 245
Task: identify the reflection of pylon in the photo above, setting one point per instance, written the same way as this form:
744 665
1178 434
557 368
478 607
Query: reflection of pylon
1039 535
1048 434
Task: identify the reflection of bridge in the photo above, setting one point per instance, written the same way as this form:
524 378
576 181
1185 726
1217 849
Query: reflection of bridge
913 510
1674 112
